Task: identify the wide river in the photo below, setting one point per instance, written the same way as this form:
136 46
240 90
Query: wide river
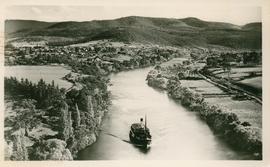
176 132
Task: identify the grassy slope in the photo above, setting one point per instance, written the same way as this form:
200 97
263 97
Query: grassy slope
164 31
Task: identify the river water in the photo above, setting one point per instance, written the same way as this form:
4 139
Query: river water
176 132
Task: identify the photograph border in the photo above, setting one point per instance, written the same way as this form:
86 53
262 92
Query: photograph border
265 4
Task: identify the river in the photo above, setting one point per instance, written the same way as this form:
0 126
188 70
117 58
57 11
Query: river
177 134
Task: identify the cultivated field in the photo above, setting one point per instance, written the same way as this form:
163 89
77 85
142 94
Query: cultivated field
255 82
238 74
246 110
35 73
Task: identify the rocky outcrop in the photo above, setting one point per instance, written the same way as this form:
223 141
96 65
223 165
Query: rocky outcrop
66 122
87 118
8 149
89 106
19 150
51 149
84 138
78 116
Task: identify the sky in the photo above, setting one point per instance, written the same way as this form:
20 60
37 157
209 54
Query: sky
236 13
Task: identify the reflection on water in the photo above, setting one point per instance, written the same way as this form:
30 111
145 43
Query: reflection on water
176 132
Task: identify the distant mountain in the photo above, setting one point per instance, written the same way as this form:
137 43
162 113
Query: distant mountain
253 26
194 22
12 26
163 31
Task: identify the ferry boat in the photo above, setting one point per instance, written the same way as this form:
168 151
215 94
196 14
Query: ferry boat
140 135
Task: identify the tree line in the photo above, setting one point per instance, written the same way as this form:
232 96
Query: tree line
44 94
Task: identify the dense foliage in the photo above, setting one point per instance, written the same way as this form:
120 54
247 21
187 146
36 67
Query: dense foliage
45 94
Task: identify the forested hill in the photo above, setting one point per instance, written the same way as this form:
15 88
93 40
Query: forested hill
162 31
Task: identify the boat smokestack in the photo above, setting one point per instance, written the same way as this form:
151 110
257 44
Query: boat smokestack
145 122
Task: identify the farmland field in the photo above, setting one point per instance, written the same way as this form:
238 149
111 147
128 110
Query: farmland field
238 73
247 78
35 73
255 82
173 61
246 110
201 86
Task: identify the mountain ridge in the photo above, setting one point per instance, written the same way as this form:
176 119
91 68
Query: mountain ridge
164 31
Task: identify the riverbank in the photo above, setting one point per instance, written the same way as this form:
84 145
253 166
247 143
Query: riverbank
236 122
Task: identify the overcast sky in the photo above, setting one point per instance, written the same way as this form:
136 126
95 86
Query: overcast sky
223 12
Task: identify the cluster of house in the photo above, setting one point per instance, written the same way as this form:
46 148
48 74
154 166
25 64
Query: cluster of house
104 55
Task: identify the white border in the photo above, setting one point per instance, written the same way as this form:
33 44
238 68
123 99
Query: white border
265 4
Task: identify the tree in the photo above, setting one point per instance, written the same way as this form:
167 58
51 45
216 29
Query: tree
226 66
26 115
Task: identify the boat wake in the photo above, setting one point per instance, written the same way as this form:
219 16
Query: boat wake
124 140
127 141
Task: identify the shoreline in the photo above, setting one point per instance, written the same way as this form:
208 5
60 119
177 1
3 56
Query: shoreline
222 122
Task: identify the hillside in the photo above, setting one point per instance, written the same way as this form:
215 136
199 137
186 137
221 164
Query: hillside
253 26
12 26
162 31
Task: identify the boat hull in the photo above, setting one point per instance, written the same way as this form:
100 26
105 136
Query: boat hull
141 142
